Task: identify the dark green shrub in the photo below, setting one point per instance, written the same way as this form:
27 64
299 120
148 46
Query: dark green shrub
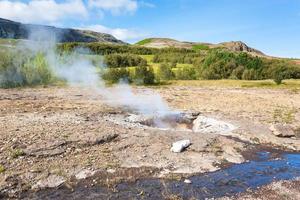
114 75
144 75
124 60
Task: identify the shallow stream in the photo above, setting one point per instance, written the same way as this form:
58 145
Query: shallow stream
264 169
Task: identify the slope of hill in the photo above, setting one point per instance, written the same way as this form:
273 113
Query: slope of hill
15 30
236 46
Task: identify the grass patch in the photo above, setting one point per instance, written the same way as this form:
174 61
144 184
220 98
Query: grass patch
149 58
143 42
287 84
200 47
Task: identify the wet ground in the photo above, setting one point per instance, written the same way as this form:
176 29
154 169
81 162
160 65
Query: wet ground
235 179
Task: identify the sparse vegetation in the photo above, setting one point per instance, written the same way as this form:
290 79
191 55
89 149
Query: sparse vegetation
284 115
15 153
2 169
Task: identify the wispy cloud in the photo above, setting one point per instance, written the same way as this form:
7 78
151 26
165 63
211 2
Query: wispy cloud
119 33
57 12
116 7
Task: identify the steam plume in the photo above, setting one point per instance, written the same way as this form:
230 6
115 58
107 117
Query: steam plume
79 71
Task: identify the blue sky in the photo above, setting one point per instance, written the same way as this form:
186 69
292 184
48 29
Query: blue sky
272 26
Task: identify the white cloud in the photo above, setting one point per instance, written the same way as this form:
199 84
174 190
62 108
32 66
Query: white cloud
115 6
119 33
42 11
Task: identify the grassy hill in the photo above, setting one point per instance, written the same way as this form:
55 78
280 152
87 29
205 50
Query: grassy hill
235 46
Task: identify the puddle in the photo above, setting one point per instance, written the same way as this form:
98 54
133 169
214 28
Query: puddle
226 182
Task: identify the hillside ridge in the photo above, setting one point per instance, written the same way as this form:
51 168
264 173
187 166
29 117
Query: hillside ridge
16 30
236 46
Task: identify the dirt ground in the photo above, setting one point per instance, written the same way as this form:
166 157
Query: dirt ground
49 135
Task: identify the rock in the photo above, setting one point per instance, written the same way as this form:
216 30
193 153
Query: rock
282 130
111 171
45 149
85 173
96 139
51 181
209 125
187 181
179 146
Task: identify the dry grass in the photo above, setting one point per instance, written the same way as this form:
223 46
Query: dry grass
287 84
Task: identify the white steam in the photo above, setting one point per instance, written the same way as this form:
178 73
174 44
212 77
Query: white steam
78 70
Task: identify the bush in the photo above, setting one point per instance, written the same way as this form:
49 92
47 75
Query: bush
19 69
144 75
113 75
124 60
165 72
186 73
36 71
174 58
221 64
237 73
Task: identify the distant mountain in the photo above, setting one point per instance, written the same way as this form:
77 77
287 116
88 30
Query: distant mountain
15 30
236 46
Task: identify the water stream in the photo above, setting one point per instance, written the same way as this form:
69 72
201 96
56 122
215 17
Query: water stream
237 178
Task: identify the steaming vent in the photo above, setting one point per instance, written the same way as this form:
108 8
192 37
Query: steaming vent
194 122
181 121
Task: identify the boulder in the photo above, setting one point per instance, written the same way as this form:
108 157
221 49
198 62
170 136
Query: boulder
179 146
282 130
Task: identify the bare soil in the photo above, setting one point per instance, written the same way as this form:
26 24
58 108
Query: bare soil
60 132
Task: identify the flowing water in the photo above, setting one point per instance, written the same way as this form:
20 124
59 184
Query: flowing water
226 182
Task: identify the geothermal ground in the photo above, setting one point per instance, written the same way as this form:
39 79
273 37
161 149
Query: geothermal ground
58 143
